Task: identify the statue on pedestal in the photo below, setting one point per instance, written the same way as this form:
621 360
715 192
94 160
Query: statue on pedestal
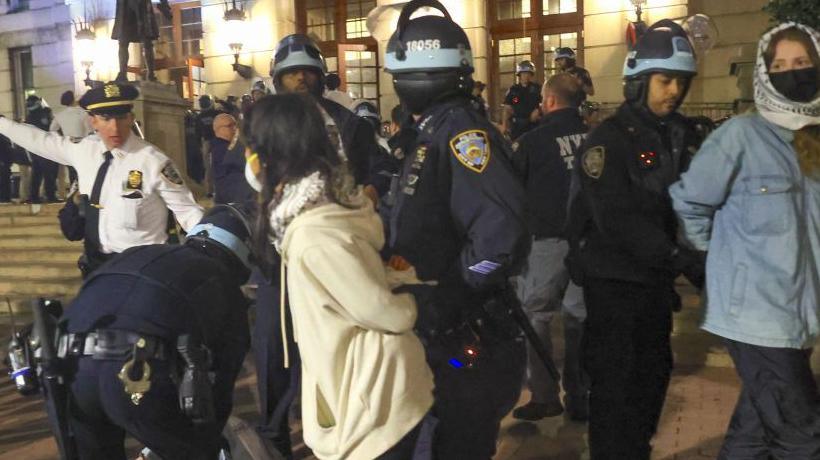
135 23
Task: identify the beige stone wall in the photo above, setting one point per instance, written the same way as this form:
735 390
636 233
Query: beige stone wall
45 28
267 22
605 23
740 24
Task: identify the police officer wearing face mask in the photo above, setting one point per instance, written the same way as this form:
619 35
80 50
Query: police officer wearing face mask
143 335
521 103
624 249
459 220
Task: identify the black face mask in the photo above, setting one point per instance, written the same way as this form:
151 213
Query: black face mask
797 85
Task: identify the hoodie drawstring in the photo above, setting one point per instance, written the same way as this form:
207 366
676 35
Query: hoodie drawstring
283 287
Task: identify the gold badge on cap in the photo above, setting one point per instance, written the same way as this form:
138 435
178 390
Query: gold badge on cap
134 180
111 90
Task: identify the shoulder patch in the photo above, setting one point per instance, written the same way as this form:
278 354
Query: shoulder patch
593 161
515 146
472 149
170 173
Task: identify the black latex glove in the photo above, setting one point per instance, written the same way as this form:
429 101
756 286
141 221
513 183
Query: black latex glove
692 265
435 314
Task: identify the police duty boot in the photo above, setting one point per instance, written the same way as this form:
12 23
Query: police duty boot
533 411
577 407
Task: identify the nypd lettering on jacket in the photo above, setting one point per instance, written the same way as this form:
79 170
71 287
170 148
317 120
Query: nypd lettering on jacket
568 146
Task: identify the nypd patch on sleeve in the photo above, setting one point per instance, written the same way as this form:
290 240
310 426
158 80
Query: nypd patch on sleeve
472 149
170 173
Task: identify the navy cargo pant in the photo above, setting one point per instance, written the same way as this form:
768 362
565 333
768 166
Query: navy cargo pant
100 413
628 357
470 402
778 412
278 386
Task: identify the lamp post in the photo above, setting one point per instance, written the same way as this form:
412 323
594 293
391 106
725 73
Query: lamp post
85 49
235 23
635 29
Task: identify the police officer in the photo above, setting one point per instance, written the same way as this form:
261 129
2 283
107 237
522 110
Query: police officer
43 171
298 66
142 336
544 158
459 220
385 165
129 182
624 248
521 112
565 61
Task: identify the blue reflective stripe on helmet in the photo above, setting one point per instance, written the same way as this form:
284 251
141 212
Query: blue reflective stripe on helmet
434 59
224 238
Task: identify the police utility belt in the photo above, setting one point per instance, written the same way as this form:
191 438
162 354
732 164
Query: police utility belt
191 363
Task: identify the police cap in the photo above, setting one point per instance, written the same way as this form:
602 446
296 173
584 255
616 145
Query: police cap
227 227
111 98
564 52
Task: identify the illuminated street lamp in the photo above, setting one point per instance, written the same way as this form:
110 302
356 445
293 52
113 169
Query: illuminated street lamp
635 29
235 24
85 49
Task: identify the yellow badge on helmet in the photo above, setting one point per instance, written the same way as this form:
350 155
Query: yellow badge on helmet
472 149
134 180
593 161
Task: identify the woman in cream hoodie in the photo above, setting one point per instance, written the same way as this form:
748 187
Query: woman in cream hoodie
365 384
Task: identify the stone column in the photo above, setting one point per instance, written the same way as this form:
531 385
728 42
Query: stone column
160 113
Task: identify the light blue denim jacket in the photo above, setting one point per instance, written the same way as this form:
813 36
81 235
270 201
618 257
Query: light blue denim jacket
745 200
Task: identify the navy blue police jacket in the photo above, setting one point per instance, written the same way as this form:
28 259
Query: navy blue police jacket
523 99
228 167
459 216
545 158
166 291
359 141
622 225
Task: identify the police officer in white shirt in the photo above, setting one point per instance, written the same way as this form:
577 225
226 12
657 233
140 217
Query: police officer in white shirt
129 182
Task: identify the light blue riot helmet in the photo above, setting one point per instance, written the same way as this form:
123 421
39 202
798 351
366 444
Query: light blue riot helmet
663 48
564 53
429 57
525 66
227 228
298 51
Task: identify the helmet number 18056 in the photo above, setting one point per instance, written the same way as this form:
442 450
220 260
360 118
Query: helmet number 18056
423 45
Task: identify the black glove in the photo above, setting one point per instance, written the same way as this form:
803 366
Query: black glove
691 264
435 314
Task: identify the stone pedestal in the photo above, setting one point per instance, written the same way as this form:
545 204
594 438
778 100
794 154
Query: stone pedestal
160 113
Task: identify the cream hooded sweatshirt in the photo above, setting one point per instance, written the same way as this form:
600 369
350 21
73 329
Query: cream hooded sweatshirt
365 381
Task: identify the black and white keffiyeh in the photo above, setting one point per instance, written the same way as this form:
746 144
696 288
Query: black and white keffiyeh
772 105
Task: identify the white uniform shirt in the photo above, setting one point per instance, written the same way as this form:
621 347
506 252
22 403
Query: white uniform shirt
72 121
140 184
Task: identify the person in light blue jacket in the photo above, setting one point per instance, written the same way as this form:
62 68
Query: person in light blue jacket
751 198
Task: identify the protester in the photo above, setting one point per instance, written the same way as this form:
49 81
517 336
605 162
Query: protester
365 384
751 198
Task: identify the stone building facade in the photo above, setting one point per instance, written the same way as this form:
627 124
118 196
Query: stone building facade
39 51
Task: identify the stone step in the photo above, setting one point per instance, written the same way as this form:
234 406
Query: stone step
65 270
21 306
38 219
38 242
41 256
21 287
15 231
30 209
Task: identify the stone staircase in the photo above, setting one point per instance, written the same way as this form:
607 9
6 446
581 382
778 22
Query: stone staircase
35 259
